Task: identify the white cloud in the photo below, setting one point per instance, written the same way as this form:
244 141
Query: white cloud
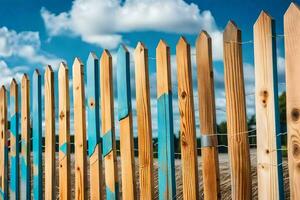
7 74
103 22
25 45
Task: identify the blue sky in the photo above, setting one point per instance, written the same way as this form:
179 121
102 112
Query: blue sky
36 33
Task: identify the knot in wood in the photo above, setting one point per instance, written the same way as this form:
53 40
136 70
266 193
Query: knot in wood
92 103
295 114
264 97
62 115
183 94
296 150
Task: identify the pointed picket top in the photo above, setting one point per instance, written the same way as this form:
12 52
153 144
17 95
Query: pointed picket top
182 42
162 46
92 57
25 78
48 70
63 68
77 62
3 89
140 47
123 48
203 37
36 72
13 85
293 9
232 33
263 18
105 54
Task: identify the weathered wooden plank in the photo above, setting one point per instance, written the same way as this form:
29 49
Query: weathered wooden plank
166 165
187 121
207 114
25 163
94 148
14 140
269 173
64 133
292 71
108 127
3 145
37 142
125 121
49 134
236 114
79 131
144 127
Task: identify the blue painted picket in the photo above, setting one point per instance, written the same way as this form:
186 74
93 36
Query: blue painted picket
125 121
14 141
166 172
93 94
166 165
93 118
37 135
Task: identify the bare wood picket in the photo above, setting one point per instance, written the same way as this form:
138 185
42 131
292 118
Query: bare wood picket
187 121
144 127
25 161
14 140
236 114
270 182
207 113
64 133
292 46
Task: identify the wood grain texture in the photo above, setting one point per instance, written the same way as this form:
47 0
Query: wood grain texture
207 114
79 131
64 133
108 127
37 142
292 70
125 122
236 114
269 173
166 166
49 134
94 148
14 140
144 127
25 163
187 121
3 145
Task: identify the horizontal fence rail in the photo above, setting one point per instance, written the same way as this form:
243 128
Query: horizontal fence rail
108 167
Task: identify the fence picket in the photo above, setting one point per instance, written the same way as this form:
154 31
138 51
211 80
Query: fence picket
37 142
207 114
79 130
236 114
187 121
292 46
14 140
108 129
94 148
144 128
166 165
25 163
64 133
49 134
270 181
125 121
3 145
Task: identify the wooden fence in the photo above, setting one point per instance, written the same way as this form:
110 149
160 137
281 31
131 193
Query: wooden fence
97 104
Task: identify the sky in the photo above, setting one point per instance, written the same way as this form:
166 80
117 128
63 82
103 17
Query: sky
36 33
